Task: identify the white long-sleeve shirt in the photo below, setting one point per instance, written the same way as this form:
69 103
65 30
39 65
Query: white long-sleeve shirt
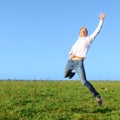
82 45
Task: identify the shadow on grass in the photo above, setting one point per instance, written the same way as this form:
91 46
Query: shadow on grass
103 110
79 110
98 110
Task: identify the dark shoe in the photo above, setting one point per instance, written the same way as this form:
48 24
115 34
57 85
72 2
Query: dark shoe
71 75
67 74
99 100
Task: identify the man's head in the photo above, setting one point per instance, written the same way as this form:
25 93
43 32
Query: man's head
83 32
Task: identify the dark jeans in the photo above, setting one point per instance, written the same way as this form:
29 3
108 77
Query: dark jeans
78 66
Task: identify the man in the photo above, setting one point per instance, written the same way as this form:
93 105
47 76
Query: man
78 54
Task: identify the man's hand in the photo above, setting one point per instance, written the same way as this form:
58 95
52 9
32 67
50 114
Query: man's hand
71 56
102 16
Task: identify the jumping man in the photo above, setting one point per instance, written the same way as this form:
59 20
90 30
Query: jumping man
78 54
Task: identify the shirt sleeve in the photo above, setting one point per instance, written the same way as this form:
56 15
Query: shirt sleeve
70 52
96 32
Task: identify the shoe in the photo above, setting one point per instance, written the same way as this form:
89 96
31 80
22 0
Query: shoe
68 74
71 75
99 100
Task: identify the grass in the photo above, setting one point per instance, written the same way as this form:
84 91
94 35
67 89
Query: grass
58 100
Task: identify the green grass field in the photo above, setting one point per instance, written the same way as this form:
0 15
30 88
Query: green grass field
58 100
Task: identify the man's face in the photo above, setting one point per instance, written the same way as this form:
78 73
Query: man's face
83 32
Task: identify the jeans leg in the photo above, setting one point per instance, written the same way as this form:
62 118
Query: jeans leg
68 69
81 71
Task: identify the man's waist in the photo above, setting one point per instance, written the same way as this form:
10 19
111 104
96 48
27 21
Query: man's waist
77 58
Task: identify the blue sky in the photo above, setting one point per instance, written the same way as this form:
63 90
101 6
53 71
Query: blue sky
36 36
